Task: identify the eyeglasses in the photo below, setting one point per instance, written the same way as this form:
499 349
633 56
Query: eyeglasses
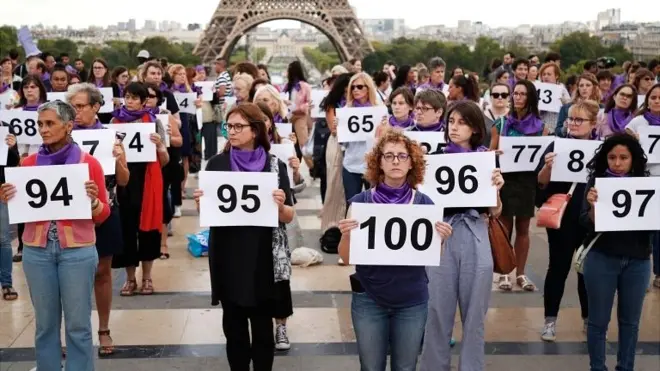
647 78
402 157
499 95
578 121
236 127
519 94
423 109
152 96
358 87
80 107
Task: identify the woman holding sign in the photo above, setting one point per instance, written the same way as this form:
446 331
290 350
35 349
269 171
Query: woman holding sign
465 273
518 195
8 291
141 200
87 99
390 303
619 111
618 262
250 266
563 242
60 259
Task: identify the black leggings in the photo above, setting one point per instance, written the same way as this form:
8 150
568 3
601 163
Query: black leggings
562 245
239 349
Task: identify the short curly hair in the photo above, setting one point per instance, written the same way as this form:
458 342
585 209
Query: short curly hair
374 174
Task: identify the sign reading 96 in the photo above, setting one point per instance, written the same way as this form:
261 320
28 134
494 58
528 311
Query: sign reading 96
391 234
627 204
233 198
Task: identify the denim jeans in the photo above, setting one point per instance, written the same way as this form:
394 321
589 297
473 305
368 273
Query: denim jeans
656 254
5 247
378 328
61 281
353 183
605 275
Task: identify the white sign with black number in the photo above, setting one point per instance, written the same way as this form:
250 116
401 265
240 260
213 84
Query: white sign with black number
233 198
649 138
49 193
186 102
8 98
165 121
572 157
432 142
317 97
391 234
627 204
4 148
53 96
207 89
284 129
99 144
137 143
521 154
23 124
461 180
108 104
358 124
549 96
284 152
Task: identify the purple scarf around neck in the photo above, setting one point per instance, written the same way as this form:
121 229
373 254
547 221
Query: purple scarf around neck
617 119
124 115
69 154
4 87
342 102
31 108
529 125
611 174
295 85
179 88
358 104
277 118
163 87
99 83
384 194
242 160
455 148
154 111
45 76
653 120
409 121
96 125
435 127
121 89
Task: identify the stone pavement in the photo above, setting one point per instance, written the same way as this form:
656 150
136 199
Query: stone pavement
177 329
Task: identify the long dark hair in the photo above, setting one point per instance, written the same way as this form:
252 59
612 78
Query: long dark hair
26 81
337 92
401 78
598 164
251 113
469 86
633 101
473 117
106 76
269 115
645 107
532 105
294 74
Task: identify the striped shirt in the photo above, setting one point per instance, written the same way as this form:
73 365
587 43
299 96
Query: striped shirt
224 80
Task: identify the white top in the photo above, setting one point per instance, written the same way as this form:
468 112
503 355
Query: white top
634 125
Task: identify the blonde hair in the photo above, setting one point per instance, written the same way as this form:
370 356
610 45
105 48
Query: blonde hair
595 92
174 69
590 107
274 94
244 77
553 66
369 82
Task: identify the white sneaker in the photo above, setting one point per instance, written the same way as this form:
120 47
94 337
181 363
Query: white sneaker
549 332
177 212
281 340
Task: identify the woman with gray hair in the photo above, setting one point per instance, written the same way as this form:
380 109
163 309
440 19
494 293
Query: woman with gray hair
60 265
87 99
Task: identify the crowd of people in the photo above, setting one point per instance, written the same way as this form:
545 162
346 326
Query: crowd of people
400 310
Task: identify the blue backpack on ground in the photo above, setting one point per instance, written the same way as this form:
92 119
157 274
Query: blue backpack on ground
198 243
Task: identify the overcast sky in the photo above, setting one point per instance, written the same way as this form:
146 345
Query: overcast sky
416 13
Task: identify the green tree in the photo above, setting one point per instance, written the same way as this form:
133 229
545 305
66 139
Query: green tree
57 46
8 39
578 46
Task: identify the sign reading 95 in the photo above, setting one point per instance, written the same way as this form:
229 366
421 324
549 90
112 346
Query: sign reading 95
392 234
432 142
358 124
461 179
49 193
233 198
627 204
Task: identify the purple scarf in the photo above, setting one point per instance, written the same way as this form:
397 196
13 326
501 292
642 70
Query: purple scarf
121 89
69 154
529 125
4 87
617 119
124 115
155 111
401 124
242 160
295 86
610 174
455 148
163 87
435 127
179 88
429 86
30 108
99 83
45 76
342 102
654 120
358 104
277 118
97 125
196 89
384 194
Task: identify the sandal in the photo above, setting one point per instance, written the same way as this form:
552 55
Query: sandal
164 256
9 294
105 350
147 287
505 283
129 288
18 257
525 283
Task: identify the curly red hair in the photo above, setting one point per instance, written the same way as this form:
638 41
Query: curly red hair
374 174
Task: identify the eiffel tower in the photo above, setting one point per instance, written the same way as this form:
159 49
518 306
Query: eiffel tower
335 18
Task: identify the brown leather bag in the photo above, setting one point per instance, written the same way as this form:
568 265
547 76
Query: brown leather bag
504 258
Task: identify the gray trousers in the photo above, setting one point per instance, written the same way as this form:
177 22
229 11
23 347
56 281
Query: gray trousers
465 277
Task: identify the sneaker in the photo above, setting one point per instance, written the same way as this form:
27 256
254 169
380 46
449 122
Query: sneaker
281 340
177 212
549 332
169 230
452 342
